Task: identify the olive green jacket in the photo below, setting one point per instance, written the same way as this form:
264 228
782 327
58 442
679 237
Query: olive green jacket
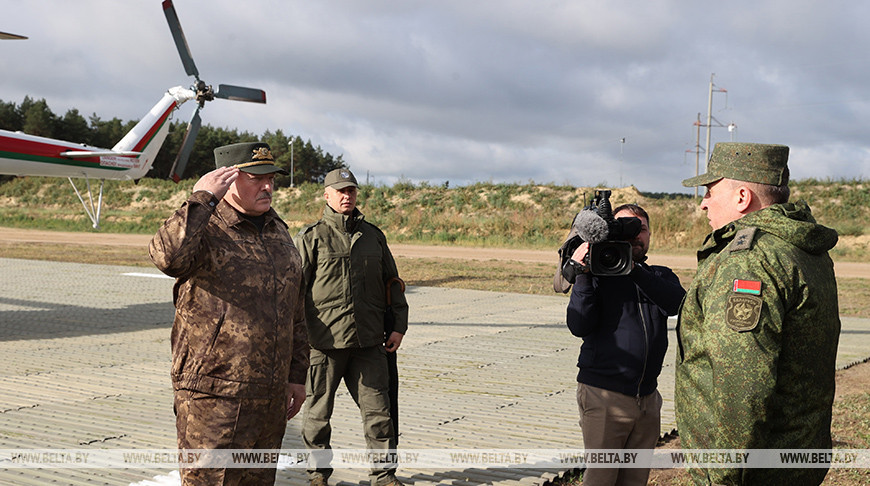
239 327
757 336
345 266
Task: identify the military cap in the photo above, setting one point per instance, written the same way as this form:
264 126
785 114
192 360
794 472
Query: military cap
339 179
749 162
250 157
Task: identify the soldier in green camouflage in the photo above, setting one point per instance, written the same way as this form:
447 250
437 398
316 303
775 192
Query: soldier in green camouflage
239 341
759 326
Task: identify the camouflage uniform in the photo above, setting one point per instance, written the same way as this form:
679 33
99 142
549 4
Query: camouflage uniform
239 335
346 263
756 363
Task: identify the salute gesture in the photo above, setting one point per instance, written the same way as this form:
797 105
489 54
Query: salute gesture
217 181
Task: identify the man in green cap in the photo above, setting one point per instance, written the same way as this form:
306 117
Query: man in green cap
239 342
347 271
759 326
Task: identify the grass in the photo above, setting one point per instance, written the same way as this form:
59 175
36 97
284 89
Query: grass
493 275
96 254
854 296
483 214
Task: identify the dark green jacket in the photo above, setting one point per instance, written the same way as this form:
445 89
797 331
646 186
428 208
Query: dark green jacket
757 371
345 266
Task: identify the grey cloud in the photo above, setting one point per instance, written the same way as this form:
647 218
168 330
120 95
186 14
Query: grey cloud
474 91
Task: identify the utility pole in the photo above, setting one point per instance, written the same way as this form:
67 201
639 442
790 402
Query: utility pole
710 117
697 148
621 147
710 120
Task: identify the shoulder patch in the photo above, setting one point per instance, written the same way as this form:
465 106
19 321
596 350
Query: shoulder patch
743 312
743 239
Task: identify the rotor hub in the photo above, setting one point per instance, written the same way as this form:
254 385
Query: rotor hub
204 92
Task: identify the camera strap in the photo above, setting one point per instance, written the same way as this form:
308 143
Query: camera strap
560 284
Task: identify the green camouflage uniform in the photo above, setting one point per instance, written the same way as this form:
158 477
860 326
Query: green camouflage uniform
239 336
755 370
346 264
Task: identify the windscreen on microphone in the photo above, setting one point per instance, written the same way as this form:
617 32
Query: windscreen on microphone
591 227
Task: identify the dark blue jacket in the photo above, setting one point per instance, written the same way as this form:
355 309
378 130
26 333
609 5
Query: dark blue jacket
623 323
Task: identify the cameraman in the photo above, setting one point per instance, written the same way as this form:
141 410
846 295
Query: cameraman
623 323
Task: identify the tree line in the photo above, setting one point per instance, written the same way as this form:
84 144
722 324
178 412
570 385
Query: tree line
34 117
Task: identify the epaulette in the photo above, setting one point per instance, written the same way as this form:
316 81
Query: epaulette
743 239
308 228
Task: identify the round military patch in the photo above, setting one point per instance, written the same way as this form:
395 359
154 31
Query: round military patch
743 311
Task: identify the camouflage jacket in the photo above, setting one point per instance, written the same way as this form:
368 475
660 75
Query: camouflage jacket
757 334
239 327
345 264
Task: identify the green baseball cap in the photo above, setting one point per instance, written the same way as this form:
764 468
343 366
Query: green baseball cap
749 162
250 157
339 179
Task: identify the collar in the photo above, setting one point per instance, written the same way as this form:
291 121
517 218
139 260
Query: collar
347 222
717 240
232 216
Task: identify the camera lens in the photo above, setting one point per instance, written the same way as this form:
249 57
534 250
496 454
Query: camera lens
610 258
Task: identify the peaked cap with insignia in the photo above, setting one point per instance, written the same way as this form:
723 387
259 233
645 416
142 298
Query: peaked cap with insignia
250 157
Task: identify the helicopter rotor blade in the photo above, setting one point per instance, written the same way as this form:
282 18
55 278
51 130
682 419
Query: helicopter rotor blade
180 41
186 146
203 91
240 93
9 36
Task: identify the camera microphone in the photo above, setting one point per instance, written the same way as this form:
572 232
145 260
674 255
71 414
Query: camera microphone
610 253
591 227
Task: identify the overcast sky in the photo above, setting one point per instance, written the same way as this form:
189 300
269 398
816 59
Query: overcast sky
474 90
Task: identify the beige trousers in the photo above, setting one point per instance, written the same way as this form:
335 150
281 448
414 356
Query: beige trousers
611 420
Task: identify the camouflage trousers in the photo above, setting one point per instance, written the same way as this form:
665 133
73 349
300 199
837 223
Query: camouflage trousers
206 421
366 376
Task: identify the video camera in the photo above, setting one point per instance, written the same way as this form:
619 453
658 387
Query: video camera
608 238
